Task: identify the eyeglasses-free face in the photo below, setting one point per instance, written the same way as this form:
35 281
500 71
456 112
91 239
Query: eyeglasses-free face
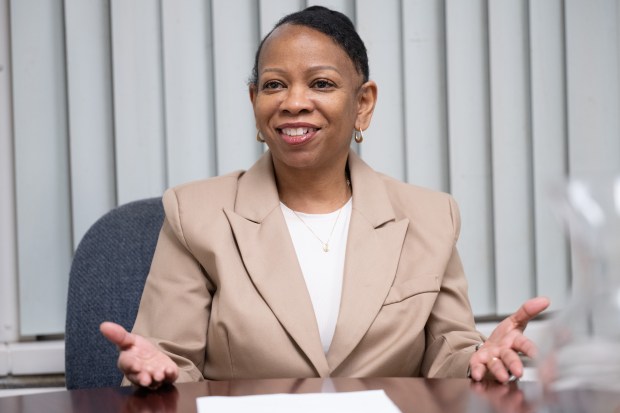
308 99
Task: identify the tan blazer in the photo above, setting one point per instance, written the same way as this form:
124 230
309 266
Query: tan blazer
226 297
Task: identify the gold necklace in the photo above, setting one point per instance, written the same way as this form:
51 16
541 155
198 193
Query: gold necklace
325 245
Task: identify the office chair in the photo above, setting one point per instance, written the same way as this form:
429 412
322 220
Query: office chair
105 283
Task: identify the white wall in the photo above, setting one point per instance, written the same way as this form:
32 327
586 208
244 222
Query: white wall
107 101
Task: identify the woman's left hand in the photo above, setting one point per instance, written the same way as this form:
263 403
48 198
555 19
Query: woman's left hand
499 355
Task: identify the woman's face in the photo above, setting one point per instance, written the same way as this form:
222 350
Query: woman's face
308 98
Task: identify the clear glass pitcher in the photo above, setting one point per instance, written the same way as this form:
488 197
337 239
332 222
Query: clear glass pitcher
582 349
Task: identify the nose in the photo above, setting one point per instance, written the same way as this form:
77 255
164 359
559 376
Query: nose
297 100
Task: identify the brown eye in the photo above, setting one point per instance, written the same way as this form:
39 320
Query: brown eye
323 84
272 85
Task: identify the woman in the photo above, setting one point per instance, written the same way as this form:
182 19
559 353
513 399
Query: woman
311 263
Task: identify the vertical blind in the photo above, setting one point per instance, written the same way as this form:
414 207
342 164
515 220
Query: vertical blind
8 258
108 101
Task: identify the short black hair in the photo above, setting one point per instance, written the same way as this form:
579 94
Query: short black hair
331 23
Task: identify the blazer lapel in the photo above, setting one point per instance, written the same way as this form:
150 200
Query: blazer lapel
269 257
373 251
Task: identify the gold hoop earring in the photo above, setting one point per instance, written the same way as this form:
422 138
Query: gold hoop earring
259 138
358 135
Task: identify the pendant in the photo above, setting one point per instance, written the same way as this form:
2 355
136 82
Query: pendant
325 247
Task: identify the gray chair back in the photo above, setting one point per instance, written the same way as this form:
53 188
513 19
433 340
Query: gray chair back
106 282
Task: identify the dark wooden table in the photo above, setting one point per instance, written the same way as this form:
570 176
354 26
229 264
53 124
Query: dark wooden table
410 394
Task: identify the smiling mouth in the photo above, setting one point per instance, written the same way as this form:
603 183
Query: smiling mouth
297 136
297 132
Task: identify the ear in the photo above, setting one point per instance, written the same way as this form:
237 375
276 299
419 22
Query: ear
367 99
253 92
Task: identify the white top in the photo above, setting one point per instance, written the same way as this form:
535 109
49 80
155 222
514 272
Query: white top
323 271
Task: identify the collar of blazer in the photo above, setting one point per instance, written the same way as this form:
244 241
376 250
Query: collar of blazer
373 250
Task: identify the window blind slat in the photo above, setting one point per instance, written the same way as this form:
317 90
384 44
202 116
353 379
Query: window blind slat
343 6
593 98
188 90
138 99
41 164
512 153
91 131
270 11
549 145
235 127
379 25
470 144
9 330
593 85
424 90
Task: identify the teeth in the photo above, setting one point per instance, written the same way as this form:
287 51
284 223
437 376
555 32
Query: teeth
297 131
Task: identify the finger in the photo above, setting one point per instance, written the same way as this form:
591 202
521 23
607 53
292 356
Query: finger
478 372
155 385
510 337
513 361
487 352
525 346
144 379
159 375
171 373
498 369
117 334
478 363
134 379
530 309
167 374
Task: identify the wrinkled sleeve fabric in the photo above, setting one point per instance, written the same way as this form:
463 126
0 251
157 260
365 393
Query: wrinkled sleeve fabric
451 335
175 306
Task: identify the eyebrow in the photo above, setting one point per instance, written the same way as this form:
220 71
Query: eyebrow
312 69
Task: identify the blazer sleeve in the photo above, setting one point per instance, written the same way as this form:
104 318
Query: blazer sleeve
451 334
175 306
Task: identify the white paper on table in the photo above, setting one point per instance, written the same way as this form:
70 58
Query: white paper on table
357 401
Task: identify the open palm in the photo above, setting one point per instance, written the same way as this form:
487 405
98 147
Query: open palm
142 363
499 355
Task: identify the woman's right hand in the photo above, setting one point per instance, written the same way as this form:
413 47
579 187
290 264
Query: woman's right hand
142 363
